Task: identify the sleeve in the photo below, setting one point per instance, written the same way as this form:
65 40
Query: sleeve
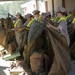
62 26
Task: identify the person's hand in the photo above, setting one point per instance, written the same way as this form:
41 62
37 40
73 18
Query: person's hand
12 29
48 25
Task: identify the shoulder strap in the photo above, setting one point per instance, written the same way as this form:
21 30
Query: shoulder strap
73 21
61 19
16 23
28 25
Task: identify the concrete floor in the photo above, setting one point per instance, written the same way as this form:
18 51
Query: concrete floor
72 71
6 64
3 65
1 70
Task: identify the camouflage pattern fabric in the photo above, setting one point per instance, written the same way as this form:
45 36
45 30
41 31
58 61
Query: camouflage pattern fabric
61 63
57 51
35 30
72 50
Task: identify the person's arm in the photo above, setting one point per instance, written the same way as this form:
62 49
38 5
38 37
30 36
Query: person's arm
20 28
51 26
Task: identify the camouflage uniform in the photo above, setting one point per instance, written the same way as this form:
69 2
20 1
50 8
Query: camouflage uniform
18 34
63 30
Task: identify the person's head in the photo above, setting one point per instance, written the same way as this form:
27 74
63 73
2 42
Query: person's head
18 15
47 15
36 13
29 17
61 12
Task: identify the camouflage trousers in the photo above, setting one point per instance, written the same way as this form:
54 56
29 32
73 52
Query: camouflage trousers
18 37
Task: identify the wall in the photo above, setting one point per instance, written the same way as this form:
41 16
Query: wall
50 6
41 6
69 4
33 5
28 7
57 4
